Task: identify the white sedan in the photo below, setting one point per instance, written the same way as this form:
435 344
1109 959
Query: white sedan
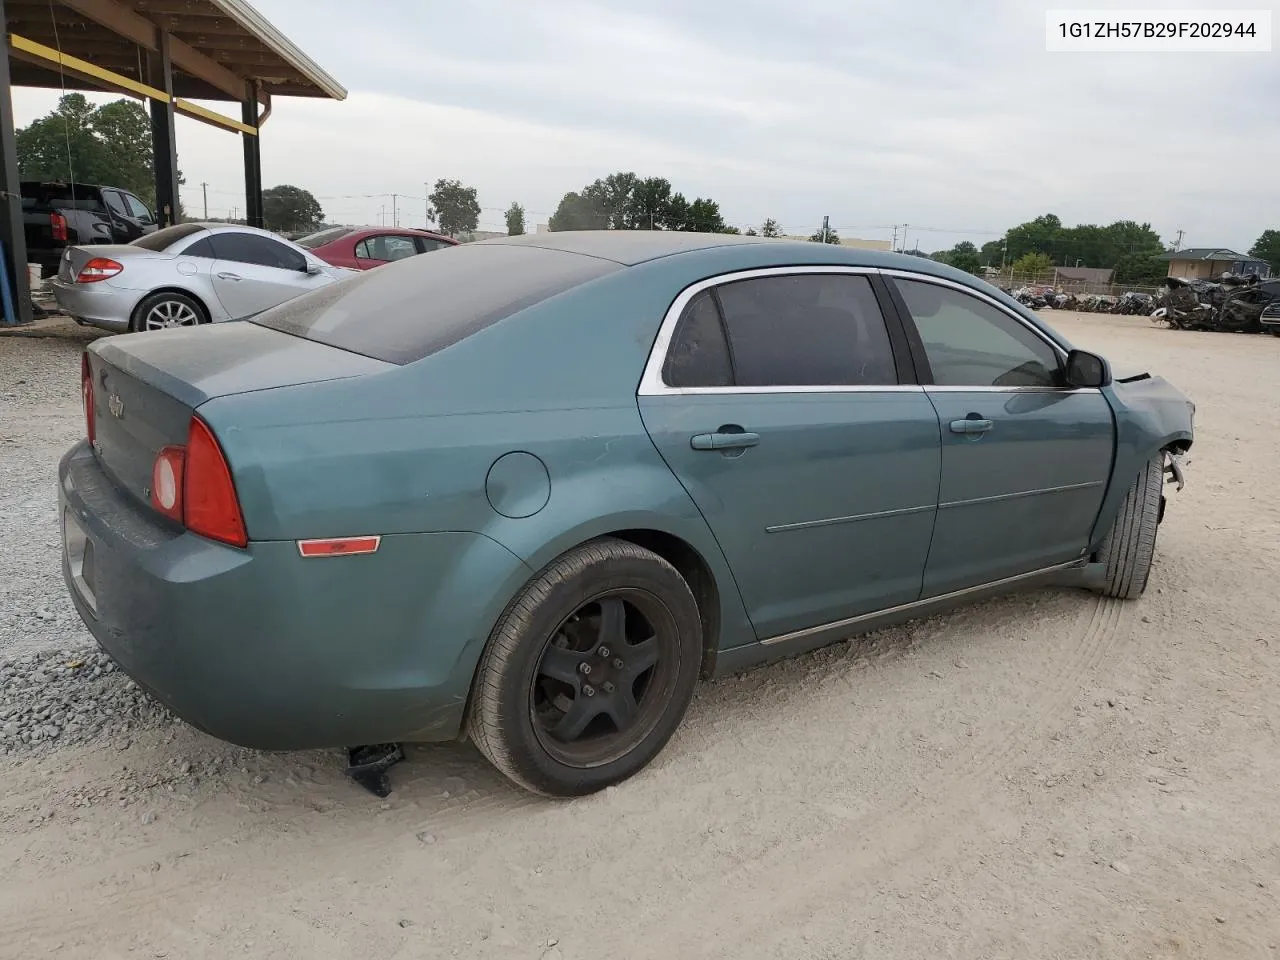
184 275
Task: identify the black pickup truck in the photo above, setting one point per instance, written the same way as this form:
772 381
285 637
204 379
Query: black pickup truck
56 216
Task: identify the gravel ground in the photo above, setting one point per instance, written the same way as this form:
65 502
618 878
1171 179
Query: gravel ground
40 417
1047 775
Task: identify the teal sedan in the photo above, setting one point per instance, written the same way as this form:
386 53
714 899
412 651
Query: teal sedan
527 491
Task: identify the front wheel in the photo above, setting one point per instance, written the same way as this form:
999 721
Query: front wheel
1130 545
589 671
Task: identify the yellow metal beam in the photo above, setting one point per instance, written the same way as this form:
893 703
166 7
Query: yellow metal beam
39 53
196 112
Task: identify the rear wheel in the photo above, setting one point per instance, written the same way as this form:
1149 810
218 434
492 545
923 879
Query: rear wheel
167 309
1131 542
589 671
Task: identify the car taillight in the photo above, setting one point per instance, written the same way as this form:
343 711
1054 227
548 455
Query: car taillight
86 395
193 485
99 268
58 226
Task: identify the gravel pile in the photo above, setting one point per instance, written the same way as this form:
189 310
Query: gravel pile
61 697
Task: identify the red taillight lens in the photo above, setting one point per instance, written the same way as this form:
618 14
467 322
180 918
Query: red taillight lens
193 485
210 506
86 395
166 482
58 226
99 268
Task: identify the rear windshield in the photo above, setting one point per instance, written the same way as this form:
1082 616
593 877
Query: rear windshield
404 311
313 240
36 195
163 239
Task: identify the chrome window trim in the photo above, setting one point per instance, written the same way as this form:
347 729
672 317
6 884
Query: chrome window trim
651 382
985 298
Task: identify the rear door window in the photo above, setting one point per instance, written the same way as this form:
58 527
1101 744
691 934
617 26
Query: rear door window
386 247
404 315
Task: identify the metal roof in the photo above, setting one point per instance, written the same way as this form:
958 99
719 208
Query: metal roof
217 46
1205 253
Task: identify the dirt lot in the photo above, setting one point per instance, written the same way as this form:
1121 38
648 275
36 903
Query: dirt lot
1050 775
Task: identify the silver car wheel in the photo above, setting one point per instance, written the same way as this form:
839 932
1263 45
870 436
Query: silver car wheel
170 313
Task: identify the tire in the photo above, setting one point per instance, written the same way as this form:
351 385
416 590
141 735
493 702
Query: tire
1130 544
185 310
529 686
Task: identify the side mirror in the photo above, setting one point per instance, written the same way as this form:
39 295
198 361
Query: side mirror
314 268
1085 369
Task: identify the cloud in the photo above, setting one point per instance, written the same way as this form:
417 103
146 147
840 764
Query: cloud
940 114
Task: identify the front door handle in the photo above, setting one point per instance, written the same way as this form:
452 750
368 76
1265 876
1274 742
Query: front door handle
228 276
724 441
967 425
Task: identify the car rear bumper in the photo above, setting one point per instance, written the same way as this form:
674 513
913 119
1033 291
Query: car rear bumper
265 649
99 304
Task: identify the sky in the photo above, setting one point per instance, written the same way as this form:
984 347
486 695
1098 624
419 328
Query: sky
947 116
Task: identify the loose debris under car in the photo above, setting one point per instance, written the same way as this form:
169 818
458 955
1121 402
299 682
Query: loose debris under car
368 766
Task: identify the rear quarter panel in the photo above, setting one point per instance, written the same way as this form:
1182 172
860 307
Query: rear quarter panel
410 450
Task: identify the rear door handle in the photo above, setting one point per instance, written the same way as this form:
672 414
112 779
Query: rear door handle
970 426
228 276
724 441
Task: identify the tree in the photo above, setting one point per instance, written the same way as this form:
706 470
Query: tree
770 228
704 217
832 236
515 220
1033 263
1036 236
109 145
649 199
578 212
751 232
991 253
625 201
1268 248
289 208
1140 268
963 256
457 209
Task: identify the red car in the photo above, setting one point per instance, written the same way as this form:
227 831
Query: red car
360 248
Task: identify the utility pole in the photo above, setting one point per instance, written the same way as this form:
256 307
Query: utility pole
893 244
204 189
904 237
382 215
826 221
1177 244
395 214
426 206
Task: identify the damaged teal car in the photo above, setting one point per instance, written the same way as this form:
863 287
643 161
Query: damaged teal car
527 491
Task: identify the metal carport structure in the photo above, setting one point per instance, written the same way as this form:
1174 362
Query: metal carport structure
167 52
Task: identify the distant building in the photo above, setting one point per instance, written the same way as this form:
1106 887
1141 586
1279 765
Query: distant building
1205 263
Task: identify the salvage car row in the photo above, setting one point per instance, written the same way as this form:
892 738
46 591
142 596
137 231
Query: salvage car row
194 273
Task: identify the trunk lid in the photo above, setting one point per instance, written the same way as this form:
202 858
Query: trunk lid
147 385
74 258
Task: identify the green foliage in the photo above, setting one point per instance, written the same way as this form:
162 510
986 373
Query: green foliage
289 208
1092 245
457 209
991 253
963 256
832 236
515 220
108 146
770 228
1268 248
1033 263
624 201
1140 269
